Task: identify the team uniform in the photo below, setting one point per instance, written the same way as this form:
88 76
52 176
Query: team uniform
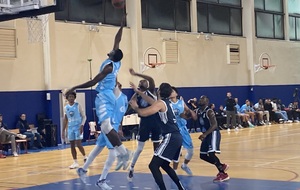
73 113
178 109
106 100
211 142
149 124
121 107
169 148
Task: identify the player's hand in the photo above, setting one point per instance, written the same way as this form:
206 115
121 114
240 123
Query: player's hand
132 72
133 104
132 85
202 137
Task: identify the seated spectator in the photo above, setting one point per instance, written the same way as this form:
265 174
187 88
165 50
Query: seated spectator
268 107
7 136
261 112
294 111
246 109
24 128
281 114
242 118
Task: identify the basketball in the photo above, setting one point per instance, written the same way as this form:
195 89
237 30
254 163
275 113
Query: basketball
118 4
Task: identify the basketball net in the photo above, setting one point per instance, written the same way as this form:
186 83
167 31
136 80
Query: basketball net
37 28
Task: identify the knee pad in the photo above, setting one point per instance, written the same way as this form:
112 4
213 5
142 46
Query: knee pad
190 153
106 126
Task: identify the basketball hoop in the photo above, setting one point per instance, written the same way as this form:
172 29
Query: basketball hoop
37 28
265 64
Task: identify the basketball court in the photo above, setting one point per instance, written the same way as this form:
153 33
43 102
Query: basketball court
263 158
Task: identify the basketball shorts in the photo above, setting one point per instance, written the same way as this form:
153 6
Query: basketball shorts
186 138
105 103
74 134
148 127
170 147
211 143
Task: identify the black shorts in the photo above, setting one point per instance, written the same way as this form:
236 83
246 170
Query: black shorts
170 147
147 127
211 143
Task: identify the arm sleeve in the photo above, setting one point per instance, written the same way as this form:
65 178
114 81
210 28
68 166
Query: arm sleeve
82 113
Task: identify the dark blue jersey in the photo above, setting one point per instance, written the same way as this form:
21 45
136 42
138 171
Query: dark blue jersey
143 104
167 119
203 119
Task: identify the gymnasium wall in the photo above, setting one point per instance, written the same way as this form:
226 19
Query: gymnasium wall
202 68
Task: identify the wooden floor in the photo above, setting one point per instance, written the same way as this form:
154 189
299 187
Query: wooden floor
264 153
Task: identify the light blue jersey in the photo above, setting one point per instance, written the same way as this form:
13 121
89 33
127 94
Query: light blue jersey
120 109
178 108
74 121
105 100
109 82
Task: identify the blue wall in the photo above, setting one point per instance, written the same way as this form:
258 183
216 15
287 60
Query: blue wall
12 104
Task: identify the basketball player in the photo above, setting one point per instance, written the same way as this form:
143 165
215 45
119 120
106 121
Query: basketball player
102 141
169 149
180 108
105 100
210 138
74 121
145 96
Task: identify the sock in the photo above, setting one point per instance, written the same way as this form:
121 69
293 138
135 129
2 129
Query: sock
109 162
121 149
184 165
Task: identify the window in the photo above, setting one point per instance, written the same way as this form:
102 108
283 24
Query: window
269 19
220 16
169 15
294 19
8 47
91 12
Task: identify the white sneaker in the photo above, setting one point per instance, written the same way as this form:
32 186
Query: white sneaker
187 170
289 121
82 174
15 154
103 185
21 136
74 165
123 160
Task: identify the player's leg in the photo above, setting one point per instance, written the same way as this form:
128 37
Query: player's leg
78 138
108 163
187 143
71 137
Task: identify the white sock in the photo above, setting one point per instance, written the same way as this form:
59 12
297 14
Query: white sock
109 162
96 150
121 150
184 165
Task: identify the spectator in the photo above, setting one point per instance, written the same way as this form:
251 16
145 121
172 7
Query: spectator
7 136
261 112
24 128
294 111
230 111
246 109
221 116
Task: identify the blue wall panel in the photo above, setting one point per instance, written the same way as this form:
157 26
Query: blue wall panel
33 102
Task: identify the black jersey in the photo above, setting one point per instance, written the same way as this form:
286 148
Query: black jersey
168 119
203 119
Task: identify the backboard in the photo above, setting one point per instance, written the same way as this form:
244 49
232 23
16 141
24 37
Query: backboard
13 9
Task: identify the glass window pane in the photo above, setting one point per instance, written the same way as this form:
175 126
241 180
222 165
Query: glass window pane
236 21
161 14
112 16
231 2
82 10
294 6
145 23
274 5
292 23
202 17
298 28
183 22
259 4
278 21
218 19
212 1
264 25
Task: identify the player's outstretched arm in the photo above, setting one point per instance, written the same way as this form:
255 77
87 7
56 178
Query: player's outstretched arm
144 112
118 36
100 76
146 77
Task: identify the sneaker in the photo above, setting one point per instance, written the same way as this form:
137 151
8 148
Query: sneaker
74 165
21 136
289 121
123 160
221 177
2 156
103 185
240 126
187 170
15 154
225 167
82 174
130 175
